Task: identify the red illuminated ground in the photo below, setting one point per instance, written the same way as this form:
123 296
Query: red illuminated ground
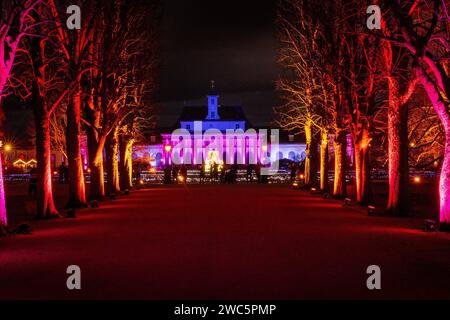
225 242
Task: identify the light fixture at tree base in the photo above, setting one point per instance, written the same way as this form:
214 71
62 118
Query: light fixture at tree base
430 226
347 202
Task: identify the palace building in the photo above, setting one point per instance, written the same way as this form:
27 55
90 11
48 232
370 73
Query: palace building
198 120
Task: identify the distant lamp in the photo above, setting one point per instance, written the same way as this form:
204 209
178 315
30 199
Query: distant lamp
302 176
8 147
417 180
168 148
430 226
141 181
412 144
180 178
371 210
264 148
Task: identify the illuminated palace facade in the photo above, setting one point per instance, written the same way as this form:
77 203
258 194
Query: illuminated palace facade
220 118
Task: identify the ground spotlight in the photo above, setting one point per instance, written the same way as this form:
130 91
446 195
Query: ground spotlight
71 214
94 204
430 226
314 191
347 202
23 229
295 185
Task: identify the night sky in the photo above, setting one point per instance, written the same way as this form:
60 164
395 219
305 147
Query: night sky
230 41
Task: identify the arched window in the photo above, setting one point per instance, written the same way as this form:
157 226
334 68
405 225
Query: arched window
291 156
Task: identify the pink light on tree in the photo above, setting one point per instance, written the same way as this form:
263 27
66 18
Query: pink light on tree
14 25
3 218
422 27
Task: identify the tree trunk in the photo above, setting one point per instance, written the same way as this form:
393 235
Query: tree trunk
397 153
3 215
324 185
340 152
126 163
442 109
95 149
77 192
311 157
362 172
444 186
45 205
97 186
112 163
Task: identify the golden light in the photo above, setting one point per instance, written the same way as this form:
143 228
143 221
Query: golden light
264 148
412 144
302 176
152 170
141 181
168 148
8 147
180 178
295 184
89 170
417 179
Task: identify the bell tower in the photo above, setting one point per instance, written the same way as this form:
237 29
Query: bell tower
213 104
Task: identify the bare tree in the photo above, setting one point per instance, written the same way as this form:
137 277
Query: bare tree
15 24
74 45
422 28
